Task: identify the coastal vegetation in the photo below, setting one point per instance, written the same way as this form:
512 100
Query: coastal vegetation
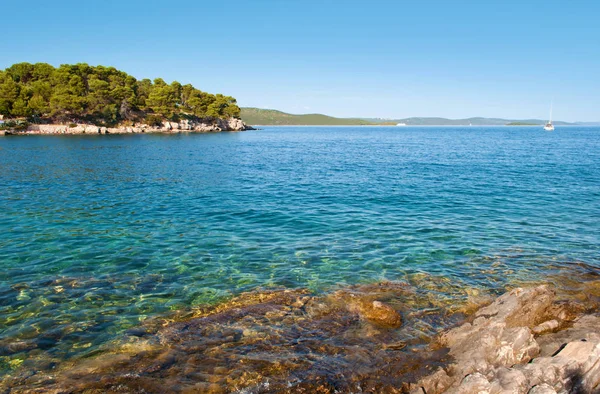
258 116
522 124
80 93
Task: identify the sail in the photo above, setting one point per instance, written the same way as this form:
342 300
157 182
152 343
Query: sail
549 126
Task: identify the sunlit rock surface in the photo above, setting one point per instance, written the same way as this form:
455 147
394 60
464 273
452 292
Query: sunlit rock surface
200 126
498 352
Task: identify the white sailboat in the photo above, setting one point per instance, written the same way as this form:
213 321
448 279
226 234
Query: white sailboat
549 126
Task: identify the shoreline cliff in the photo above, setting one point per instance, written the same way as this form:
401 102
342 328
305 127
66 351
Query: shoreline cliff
199 126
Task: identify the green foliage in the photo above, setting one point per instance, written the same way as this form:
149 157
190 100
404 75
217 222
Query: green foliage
14 125
522 124
102 95
153 120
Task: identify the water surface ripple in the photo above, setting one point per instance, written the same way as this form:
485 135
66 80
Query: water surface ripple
100 233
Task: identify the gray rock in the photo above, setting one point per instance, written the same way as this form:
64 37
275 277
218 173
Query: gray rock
437 382
474 383
509 380
516 346
585 327
575 367
493 340
492 354
542 389
518 308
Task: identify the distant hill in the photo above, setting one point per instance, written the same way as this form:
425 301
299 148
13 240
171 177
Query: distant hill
521 124
588 123
258 116
477 121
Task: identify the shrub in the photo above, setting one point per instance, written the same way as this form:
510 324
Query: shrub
17 125
153 120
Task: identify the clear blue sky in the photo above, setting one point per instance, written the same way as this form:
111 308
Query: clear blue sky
344 58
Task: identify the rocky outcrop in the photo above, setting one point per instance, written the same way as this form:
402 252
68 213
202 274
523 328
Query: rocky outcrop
200 126
524 342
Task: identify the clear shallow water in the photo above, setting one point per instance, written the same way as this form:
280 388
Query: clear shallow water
103 232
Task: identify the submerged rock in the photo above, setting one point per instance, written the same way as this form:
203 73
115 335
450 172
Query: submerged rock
377 313
382 315
352 340
270 341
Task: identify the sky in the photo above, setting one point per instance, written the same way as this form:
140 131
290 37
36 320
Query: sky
377 58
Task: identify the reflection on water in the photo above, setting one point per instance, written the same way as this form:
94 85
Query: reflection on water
102 236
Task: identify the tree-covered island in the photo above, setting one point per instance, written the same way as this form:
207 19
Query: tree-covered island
40 94
522 124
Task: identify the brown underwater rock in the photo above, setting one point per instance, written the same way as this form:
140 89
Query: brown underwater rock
379 313
351 340
369 302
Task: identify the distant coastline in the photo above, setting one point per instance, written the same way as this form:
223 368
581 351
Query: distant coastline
521 124
271 117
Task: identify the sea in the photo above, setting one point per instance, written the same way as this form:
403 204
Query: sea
99 234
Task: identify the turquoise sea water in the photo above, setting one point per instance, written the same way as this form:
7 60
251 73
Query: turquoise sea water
99 233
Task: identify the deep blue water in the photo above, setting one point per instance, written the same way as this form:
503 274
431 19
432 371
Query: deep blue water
99 233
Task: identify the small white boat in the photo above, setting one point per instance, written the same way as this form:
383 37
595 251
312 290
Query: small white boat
549 126
401 124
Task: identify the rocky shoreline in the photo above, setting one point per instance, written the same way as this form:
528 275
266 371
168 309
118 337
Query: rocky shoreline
524 342
388 337
201 126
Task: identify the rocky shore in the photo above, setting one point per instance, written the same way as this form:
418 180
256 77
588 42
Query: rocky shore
201 126
524 342
388 337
